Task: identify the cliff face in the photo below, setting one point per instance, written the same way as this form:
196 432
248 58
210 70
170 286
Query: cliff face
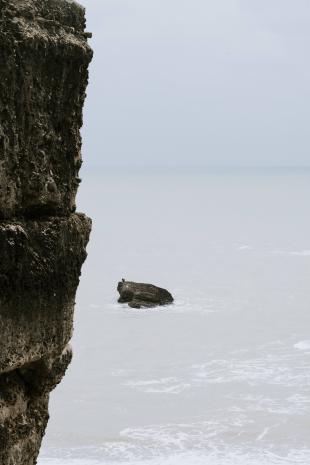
43 70
44 58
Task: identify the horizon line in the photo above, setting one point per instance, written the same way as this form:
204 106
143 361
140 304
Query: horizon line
200 166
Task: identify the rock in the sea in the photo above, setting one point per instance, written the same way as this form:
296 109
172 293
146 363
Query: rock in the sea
141 295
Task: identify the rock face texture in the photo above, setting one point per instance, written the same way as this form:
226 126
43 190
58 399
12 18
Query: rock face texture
43 75
44 58
140 295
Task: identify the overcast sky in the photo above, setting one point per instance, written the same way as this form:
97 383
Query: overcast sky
207 82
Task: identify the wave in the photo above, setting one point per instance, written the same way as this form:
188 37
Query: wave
169 385
302 345
233 457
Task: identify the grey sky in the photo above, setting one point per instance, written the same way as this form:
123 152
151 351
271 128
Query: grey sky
215 82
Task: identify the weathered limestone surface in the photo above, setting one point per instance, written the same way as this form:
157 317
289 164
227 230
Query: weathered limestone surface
43 75
39 273
24 407
44 58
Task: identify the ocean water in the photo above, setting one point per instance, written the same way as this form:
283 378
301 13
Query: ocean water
222 376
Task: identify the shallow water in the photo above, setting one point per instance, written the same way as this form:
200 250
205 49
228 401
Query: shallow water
221 377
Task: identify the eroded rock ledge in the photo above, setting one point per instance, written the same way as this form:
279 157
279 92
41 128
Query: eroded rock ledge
44 58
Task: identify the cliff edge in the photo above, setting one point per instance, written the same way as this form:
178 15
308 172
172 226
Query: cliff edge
44 58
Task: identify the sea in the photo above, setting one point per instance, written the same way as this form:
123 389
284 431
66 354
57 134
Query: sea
221 376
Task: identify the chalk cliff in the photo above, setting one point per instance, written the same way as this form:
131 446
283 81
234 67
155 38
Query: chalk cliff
44 58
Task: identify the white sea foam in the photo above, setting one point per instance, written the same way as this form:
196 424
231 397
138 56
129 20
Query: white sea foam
162 386
53 461
301 253
245 247
297 253
303 345
201 304
216 457
277 365
296 404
